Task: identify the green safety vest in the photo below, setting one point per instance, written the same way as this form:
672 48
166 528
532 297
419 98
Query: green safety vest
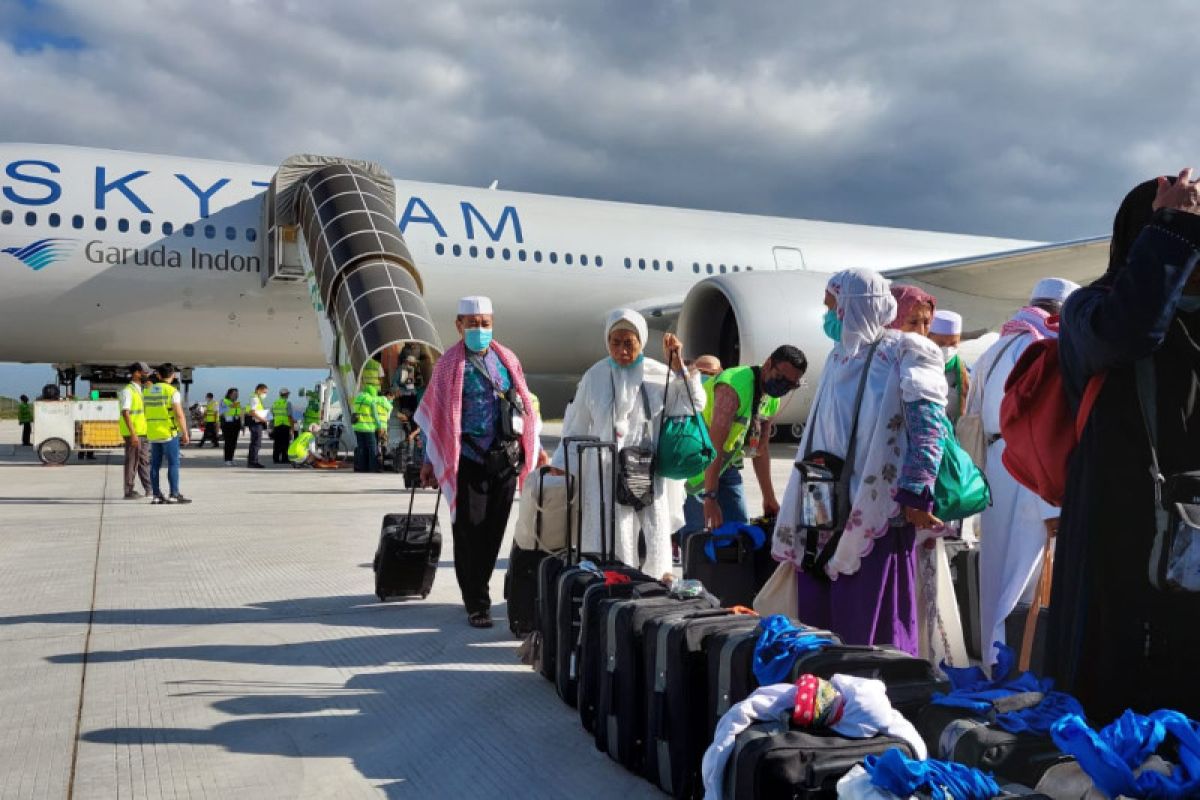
233 410
25 413
372 373
312 414
210 411
298 449
160 412
279 413
741 380
383 410
256 404
364 411
137 409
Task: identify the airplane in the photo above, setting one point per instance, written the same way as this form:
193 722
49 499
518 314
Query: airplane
109 257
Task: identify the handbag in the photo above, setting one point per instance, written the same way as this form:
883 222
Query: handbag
971 435
1175 552
542 515
684 446
635 464
961 489
778 595
510 416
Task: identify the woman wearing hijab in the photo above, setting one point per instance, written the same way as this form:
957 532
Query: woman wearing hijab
1115 641
940 634
609 404
867 593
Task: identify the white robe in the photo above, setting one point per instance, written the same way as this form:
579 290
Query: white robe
1012 531
591 413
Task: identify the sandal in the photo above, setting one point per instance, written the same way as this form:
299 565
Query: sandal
480 619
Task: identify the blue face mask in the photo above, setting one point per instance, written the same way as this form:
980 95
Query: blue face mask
630 365
477 339
833 325
1189 303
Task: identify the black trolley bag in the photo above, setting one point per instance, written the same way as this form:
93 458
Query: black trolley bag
964 571
521 578
597 599
728 564
911 682
677 695
410 546
769 761
621 702
956 734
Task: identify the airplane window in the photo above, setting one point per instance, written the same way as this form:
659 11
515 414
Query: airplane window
708 268
520 255
55 220
473 251
628 265
734 268
210 232
251 235
6 218
537 256
31 218
145 226
567 257
506 254
695 266
599 261
231 233
583 261
722 269
670 266
457 250
641 263
167 229
553 257
439 248
491 252
655 264
123 225
101 223
749 269
189 230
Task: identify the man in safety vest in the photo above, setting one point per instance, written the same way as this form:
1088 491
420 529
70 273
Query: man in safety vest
741 403
256 420
133 430
366 426
210 422
312 412
231 423
372 374
302 452
167 429
25 417
283 424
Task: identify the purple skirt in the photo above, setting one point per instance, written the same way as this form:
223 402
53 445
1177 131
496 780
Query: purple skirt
877 604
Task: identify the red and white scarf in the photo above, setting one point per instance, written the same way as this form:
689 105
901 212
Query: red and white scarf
1036 322
440 416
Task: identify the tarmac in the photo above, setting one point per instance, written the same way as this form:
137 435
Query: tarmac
233 648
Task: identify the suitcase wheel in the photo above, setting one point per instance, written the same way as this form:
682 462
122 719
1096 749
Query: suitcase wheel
424 595
381 597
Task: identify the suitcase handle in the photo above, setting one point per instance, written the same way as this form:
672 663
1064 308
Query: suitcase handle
608 520
412 497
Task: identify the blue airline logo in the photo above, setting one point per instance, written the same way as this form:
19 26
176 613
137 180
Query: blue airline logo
42 253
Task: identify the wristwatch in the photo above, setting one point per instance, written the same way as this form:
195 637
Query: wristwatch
707 495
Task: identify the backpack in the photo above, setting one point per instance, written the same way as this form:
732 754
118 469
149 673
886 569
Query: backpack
1039 430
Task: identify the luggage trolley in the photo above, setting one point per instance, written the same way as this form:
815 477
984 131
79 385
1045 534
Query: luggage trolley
60 426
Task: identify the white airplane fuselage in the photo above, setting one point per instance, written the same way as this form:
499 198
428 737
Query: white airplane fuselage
160 258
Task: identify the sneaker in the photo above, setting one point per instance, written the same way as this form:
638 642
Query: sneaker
157 500
178 499
134 495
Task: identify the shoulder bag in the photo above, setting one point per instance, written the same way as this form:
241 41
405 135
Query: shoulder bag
635 464
506 453
961 489
684 447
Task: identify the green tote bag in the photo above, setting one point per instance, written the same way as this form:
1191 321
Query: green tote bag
684 446
961 490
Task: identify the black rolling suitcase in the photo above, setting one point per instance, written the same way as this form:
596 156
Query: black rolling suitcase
597 599
733 565
964 572
410 546
677 709
955 734
911 682
1014 634
621 701
520 589
770 761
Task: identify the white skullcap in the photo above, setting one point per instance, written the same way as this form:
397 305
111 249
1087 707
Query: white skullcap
946 323
1056 289
475 304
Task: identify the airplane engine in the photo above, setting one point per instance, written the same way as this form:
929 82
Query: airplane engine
741 318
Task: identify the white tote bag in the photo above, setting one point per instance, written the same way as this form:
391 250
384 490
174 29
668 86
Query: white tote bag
547 494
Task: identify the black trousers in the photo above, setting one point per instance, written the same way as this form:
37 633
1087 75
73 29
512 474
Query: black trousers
210 435
256 431
26 432
481 515
230 431
281 435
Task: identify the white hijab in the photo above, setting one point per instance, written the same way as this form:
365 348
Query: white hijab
627 381
864 305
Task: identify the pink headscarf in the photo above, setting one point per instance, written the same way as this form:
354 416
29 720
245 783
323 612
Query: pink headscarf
907 298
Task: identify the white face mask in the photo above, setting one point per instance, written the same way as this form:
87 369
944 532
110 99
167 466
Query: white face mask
949 352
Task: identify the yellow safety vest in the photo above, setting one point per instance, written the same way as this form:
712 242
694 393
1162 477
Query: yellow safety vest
210 411
312 413
256 404
741 380
279 413
372 373
364 411
233 410
136 412
298 449
159 408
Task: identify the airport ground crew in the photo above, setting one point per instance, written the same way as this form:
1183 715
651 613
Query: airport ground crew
256 420
133 430
312 412
372 374
383 418
230 410
363 421
283 424
25 417
211 414
303 450
167 429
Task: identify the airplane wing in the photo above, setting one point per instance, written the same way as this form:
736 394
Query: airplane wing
987 289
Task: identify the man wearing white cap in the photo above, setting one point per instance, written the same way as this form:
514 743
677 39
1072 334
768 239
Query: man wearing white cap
1014 529
946 332
477 417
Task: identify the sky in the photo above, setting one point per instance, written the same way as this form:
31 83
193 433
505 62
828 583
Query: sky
1018 119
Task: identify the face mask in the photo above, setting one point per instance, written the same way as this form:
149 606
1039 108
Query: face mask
949 353
1189 303
777 387
833 325
477 339
630 365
